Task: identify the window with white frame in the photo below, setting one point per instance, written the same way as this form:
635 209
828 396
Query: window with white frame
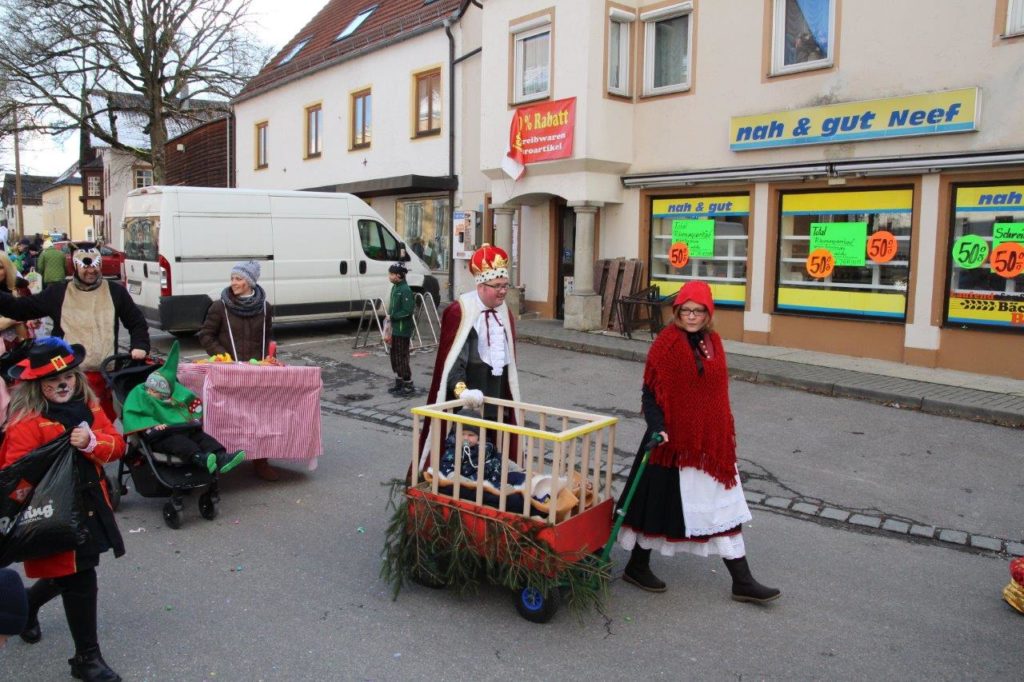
1015 18
93 187
803 35
620 24
356 22
667 54
143 177
532 79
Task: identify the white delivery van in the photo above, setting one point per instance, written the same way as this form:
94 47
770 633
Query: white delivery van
321 254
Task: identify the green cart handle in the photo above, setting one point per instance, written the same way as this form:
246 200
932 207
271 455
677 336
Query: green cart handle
620 513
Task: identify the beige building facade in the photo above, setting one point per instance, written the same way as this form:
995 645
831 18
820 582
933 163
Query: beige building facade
62 210
844 182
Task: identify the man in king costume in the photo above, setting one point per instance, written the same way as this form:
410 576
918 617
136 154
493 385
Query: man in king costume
476 356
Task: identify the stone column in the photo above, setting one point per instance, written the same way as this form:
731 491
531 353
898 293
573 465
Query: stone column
503 240
583 306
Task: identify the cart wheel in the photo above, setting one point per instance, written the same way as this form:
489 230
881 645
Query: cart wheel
172 517
207 507
429 575
536 606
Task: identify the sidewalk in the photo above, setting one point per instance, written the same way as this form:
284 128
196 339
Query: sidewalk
978 397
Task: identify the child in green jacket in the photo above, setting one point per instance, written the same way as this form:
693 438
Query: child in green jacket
400 312
169 417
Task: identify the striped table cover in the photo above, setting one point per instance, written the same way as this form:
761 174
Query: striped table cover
270 412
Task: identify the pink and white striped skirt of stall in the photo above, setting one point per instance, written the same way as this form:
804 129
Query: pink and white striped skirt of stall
271 412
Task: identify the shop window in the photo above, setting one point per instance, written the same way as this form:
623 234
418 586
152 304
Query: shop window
143 178
362 119
713 233
803 35
425 225
314 131
1015 18
428 103
261 145
620 25
532 49
986 255
845 253
667 55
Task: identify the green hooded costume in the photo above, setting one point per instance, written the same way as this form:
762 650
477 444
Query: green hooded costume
143 411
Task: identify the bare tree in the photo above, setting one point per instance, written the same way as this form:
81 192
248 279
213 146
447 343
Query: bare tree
80 64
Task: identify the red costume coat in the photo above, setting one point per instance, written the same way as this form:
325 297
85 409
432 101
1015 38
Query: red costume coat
29 433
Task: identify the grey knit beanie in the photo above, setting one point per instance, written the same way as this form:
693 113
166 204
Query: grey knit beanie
158 383
249 271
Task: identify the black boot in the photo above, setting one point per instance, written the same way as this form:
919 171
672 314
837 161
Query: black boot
638 571
744 587
42 591
397 388
90 667
408 389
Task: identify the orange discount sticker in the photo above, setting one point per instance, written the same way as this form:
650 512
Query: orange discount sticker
1008 259
820 263
678 254
882 246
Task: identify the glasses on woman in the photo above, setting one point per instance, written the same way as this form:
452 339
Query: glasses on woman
497 287
692 312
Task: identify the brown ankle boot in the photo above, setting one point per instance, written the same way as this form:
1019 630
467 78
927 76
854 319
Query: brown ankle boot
264 471
638 571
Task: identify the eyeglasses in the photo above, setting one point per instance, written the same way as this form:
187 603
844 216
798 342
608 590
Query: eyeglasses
497 287
692 312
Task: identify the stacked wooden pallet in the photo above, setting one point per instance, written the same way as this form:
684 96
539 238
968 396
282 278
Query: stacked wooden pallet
614 278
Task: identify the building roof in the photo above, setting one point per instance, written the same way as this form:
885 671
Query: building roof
389 22
64 181
32 187
131 121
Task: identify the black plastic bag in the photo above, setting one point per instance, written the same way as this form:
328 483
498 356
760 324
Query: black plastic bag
39 503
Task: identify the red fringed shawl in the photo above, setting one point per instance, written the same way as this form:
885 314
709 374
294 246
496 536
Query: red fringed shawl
698 418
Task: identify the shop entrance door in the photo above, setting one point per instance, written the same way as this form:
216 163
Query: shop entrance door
566 256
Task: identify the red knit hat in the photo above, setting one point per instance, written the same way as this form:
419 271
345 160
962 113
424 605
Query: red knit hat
698 292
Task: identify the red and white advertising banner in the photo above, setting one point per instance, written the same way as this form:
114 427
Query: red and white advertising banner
540 132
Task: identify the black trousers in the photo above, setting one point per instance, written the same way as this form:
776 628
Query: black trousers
400 357
184 444
79 592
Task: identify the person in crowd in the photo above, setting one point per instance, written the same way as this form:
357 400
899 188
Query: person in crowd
400 313
689 498
36 246
20 256
11 331
170 419
52 266
86 310
476 355
4 235
52 398
13 605
240 323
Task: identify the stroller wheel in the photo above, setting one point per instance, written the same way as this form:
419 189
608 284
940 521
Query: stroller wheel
536 605
172 517
208 507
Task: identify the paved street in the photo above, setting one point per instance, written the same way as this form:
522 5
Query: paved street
284 584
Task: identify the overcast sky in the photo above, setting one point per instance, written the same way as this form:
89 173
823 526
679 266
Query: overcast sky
276 22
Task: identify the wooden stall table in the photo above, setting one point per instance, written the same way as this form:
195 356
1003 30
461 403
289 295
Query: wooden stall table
271 412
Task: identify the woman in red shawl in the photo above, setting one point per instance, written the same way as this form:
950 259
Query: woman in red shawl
689 498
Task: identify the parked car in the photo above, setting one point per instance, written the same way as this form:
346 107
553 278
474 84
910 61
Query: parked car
110 260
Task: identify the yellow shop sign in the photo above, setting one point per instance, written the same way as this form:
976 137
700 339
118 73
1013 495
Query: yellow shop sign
935 113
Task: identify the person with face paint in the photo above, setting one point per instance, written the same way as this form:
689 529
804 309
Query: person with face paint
51 399
86 310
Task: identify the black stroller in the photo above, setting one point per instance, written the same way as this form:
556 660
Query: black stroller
154 474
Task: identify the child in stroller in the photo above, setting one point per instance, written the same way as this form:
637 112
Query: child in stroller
162 421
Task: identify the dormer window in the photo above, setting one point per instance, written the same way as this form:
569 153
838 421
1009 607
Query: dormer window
294 51
356 23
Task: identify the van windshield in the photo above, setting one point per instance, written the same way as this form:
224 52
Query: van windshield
141 237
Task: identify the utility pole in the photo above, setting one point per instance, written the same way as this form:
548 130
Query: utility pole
17 177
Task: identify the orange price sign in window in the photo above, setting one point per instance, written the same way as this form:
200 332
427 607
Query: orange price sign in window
881 246
678 254
820 263
1008 259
